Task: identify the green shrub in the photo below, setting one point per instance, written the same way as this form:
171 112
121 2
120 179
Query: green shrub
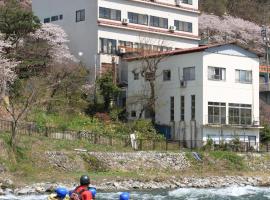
235 161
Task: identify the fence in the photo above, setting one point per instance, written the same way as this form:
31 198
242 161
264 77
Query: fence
32 129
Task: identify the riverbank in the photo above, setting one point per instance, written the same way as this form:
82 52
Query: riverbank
42 164
132 185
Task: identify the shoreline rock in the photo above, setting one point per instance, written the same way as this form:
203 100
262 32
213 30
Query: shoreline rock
186 182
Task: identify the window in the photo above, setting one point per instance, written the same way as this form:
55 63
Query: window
193 107
216 73
107 13
183 26
133 113
136 75
189 73
240 114
125 44
136 18
187 2
182 108
107 46
242 76
159 22
172 109
54 18
80 15
166 75
216 113
47 20
60 17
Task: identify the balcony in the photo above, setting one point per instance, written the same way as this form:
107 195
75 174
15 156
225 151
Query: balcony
232 121
264 87
171 4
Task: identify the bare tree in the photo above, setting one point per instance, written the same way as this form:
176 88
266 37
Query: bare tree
151 54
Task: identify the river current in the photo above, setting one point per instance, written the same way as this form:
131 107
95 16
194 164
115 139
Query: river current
231 193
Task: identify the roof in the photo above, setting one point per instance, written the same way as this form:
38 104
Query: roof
186 51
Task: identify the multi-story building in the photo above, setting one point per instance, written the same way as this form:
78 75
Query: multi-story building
101 29
202 92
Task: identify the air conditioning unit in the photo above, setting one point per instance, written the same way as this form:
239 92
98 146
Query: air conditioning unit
178 2
256 123
172 29
125 21
183 84
122 50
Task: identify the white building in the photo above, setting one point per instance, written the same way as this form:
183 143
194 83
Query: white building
104 28
202 92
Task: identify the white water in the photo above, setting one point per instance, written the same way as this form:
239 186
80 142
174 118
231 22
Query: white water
231 193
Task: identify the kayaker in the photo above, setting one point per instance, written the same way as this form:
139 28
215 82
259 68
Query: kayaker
60 194
82 192
93 191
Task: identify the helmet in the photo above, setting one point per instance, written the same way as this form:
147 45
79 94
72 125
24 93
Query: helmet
84 180
124 196
61 192
93 191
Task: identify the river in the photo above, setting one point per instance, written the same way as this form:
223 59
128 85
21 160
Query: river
231 193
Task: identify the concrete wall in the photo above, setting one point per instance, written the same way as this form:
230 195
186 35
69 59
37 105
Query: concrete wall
82 35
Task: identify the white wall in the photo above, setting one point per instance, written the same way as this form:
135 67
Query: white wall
229 91
229 57
82 35
166 89
139 7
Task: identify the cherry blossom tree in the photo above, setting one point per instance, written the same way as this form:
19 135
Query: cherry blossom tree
58 40
228 28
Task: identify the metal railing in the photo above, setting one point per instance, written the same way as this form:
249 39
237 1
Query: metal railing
264 87
232 121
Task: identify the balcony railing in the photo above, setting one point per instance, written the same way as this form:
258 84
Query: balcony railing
264 87
232 121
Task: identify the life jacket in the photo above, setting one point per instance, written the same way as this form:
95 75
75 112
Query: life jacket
77 193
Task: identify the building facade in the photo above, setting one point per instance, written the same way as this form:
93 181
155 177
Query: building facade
103 29
203 92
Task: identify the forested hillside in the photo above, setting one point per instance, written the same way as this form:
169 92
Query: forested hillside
252 10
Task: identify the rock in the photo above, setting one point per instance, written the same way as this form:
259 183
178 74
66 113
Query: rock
7 183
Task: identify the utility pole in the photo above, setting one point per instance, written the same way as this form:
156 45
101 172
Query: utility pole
265 38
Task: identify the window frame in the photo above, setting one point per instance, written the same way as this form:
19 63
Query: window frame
106 49
193 107
190 77
190 2
109 13
172 108
80 15
158 21
134 18
243 114
47 20
220 117
247 80
183 26
136 76
182 108
54 18
220 71
167 75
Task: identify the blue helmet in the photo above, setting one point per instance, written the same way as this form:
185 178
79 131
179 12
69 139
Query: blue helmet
61 192
93 191
124 196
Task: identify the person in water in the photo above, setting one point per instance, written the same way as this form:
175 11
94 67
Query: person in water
60 194
82 192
